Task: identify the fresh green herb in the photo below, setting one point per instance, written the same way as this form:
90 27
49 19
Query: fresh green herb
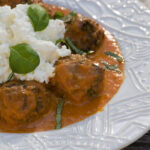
73 47
66 19
58 113
10 77
58 15
69 17
120 59
38 17
60 41
23 59
111 67
70 45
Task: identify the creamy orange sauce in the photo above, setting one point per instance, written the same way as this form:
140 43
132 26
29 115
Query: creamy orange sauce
74 113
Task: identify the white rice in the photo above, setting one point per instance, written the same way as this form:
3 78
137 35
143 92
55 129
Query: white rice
15 28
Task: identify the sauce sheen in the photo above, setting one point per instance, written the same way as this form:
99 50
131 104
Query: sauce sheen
73 113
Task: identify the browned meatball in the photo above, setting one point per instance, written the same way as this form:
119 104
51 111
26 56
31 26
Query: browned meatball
23 101
78 79
13 3
85 33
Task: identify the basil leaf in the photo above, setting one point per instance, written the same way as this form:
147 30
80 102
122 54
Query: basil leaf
73 47
23 59
120 59
38 16
58 113
58 15
111 67
69 17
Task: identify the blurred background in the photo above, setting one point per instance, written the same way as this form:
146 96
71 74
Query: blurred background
146 2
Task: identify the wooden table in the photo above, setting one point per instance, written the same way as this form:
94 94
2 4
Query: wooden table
141 144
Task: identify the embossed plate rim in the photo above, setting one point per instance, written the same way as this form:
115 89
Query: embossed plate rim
102 130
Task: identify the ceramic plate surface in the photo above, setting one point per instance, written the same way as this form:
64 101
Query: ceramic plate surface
127 116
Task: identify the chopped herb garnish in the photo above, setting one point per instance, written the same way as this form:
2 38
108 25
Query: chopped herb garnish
59 113
66 19
111 67
10 76
58 15
69 17
73 47
60 41
120 59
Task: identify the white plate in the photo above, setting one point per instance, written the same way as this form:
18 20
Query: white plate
127 116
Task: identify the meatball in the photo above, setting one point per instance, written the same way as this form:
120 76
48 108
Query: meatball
85 33
23 101
13 3
81 79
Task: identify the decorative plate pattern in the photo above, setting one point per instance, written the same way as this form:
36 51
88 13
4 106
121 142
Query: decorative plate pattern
127 116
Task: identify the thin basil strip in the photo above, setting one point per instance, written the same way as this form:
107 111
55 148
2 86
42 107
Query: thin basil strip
120 59
10 77
73 47
66 19
111 67
58 15
23 59
60 41
59 113
70 45
38 16
69 17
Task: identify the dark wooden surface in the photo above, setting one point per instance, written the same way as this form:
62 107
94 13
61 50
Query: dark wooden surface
141 144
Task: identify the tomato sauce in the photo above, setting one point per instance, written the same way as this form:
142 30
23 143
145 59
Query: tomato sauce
74 113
